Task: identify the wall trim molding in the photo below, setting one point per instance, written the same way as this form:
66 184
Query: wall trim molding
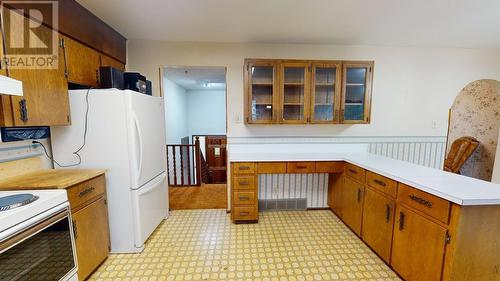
340 139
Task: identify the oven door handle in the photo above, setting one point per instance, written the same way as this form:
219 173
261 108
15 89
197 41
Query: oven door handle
32 229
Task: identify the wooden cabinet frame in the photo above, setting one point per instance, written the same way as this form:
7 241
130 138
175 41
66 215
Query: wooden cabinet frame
249 63
307 84
368 91
337 88
309 90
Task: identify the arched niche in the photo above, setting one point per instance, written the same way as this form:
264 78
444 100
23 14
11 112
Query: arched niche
476 113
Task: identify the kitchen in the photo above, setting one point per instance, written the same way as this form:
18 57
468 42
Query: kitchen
348 135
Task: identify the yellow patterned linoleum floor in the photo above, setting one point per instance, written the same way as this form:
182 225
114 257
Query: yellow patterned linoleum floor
205 245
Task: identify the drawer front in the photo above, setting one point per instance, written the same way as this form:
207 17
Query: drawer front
271 168
245 213
382 183
244 182
329 167
244 168
85 191
354 172
425 202
244 198
300 167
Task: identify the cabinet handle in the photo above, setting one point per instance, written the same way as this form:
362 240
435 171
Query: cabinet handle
401 220
336 114
379 182
244 198
243 183
242 168
23 110
342 115
86 191
421 201
244 213
359 195
301 167
387 213
353 171
75 232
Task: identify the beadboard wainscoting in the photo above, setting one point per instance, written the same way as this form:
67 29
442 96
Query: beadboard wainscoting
279 191
428 151
291 188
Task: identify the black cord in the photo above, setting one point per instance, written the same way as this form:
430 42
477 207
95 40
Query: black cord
85 130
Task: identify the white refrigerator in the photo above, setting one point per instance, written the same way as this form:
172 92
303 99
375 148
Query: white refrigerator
126 136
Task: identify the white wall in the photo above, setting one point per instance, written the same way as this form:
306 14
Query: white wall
175 112
206 112
413 88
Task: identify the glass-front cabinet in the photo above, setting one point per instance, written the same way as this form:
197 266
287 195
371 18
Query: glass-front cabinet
307 91
325 92
261 80
356 92
294 86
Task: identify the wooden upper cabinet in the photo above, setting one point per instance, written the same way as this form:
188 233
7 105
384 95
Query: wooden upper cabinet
307 92
82 63
109 61
356 92
325 92
294 92
261 81
45 98
418 246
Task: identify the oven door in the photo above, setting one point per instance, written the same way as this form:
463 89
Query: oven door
40 249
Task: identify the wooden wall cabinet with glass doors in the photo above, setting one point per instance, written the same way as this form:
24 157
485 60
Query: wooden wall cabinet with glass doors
307 92
261 88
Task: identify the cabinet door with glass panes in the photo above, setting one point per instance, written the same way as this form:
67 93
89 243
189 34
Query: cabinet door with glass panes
325 92
356 92
262 91
294 90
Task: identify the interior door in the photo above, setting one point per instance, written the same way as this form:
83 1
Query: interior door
216 158
147 134
150 204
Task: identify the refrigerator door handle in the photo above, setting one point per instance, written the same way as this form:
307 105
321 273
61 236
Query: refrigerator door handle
140 143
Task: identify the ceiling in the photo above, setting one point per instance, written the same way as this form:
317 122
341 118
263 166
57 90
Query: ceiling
197 78
419 23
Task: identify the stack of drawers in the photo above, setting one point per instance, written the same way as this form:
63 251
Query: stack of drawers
244 203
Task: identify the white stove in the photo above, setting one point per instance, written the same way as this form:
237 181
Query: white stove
36 236
47 199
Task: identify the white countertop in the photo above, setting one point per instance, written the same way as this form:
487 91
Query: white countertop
455 188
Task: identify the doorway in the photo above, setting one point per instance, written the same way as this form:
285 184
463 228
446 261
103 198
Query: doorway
195 114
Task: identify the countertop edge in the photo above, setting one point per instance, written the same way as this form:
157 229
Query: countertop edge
440 194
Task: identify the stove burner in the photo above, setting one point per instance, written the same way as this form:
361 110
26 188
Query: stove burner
17 200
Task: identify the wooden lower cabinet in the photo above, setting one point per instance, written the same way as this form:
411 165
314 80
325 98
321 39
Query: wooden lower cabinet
418 246
378 222
244 192
352 204
90 225
335 184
